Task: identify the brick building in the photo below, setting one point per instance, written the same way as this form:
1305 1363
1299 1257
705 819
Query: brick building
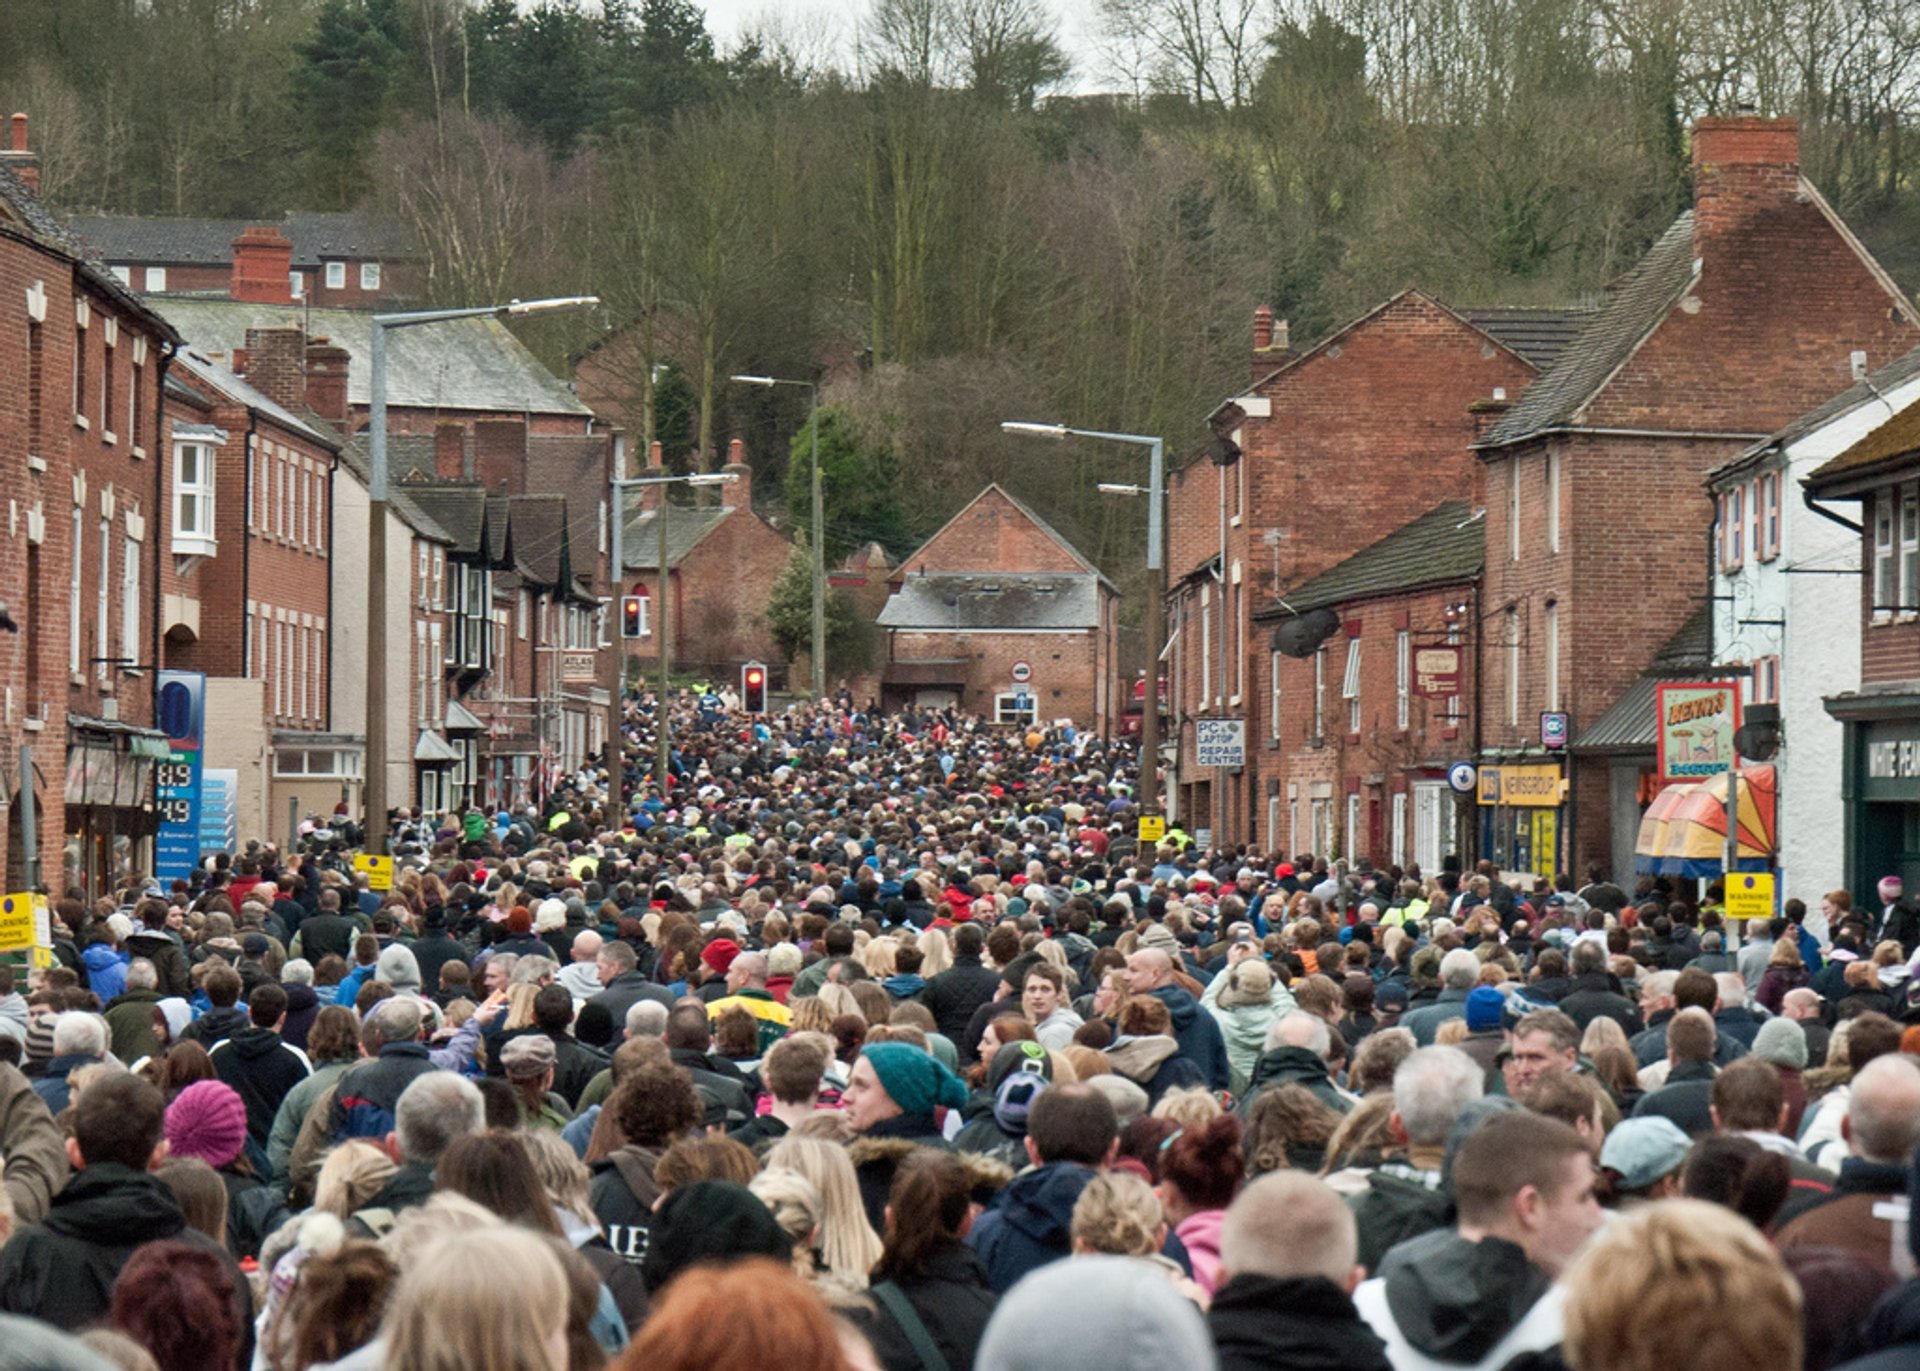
722 563
1340 444
1755 306
1356 753
83 364
350 260
999 615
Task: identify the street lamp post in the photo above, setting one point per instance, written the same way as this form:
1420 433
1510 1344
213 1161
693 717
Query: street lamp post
663 633
376 758
1150 800
819 652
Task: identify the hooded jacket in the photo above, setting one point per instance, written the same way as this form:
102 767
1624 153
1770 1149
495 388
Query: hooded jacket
159 947
1296 1066
953 1300
62 1270
33 1147
368 1092
1243 1027
1304 1323
1153 1062
130 1025
216 1024
263 1070
1030 1223
303 1007
622 1193
1198 1035
1442 1301
106 970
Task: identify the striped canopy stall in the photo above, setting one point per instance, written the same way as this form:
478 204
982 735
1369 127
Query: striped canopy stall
1684 831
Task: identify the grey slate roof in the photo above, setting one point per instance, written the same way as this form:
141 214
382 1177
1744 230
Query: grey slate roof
219 377
1629 725
1539 335
209 242
459 508
953 601
22 212
353 456
1632 310
640 540
1445 544
460 364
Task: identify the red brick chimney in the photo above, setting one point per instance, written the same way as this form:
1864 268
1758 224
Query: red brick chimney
1270 342
275 361
450 451
1262 328
17 155
500 455
1742 166
738 495
262 267
327 380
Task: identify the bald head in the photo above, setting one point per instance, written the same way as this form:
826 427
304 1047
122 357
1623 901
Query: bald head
1149 969
1289 1224
587 945
749 971
1883 1112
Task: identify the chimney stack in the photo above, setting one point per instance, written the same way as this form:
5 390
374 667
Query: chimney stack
17 155
739 495
500 455
275 365
327 380
1262 328
262 267
1742 166
449 451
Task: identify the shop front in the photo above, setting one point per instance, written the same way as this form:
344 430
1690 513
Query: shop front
1880 789
110 807
1522 806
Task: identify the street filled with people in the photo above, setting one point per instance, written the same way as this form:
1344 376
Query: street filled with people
880 1041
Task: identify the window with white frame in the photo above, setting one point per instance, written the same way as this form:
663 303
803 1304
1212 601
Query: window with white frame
336 276
297 284
1239 638
1770 516
1319 695
423 578
1273 695
1884 591
422 671
82 315
439 600
1553 499
1513 665
1353 827
1909 548
1766 680
1398 850
301 674
521 613
1552 631
1755 546
75 576
1009 709
1350 685
136 384
437 695
369 276
1733 527
193 498
107 351
646 612
1403 678
1206 645
156 279
103 604
1513 509
130 599
282 668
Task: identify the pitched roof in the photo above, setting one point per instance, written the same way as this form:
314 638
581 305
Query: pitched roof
23 214
539 530
640 541
1893 443
459 364
1539 335
353 456
209 242
458 507
1446 544
954 601
223 380
1631 311
1027 511
1871 391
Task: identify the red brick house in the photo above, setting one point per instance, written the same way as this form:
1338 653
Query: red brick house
722 562
1356 754
998 614
1340 445
351 260
1755 306
83 364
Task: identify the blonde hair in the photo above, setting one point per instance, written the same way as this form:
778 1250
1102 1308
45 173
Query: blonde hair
1654 1268
443 1319
848 1244
797 1208
351 1176
1055 955
446 1215
937 950
878 957
839 1000
1118 1213
1451 1032
1087 1062
810 1015
520 997
1190 1107
562 1175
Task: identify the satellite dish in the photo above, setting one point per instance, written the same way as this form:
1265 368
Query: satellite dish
1302 635
1222 451
1758 739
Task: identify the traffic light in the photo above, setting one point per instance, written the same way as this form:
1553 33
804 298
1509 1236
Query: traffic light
753 688
630 616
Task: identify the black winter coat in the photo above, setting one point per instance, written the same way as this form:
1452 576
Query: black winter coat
1306 1323
263 1070
622 1193
953 1301
954 995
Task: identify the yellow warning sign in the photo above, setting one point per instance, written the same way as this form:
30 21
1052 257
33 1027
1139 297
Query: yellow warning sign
1750 895
1153 827
379 870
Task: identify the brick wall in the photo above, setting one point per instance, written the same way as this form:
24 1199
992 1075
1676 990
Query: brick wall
991 534
1066 668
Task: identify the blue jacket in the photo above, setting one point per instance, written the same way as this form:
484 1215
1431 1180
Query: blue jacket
106 971
368 1092
1198 1034
1030 1223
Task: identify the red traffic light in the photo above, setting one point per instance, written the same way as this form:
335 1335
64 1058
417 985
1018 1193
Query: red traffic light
754 678
753 688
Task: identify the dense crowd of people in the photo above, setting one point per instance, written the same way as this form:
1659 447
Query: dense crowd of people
877 1042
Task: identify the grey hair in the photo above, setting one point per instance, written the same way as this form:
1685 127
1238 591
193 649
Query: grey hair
439 1108
1431 1089
1459 969
297 971
142 974
1300 1029
78 1033
1589 958
646 1019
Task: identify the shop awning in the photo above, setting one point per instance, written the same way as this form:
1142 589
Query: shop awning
1684 831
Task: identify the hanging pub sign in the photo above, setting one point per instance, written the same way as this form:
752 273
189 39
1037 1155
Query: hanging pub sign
1694 727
